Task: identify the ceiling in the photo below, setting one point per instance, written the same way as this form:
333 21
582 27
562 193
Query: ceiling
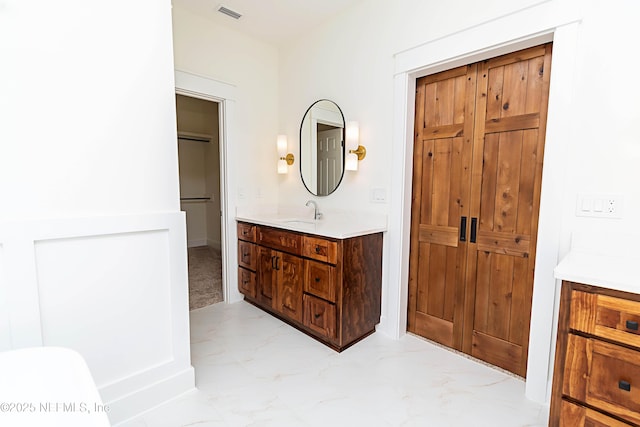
273 21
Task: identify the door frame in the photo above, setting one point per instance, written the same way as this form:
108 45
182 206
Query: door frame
224 94
543 22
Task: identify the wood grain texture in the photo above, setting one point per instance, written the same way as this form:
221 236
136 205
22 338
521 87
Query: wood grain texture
587 368
361 286
279 239
290 275
246 232
247 282
573 415
336 300
247 255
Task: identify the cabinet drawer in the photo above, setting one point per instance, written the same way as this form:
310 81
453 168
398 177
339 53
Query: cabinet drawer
609 317
572 415
320 280
320 249
247 282
247 255
603 375
286 241
246 232
319 316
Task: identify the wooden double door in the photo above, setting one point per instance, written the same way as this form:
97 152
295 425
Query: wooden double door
479 140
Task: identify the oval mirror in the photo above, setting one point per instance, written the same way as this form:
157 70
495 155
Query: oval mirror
322 147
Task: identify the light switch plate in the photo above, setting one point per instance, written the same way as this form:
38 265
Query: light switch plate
600 205
378 195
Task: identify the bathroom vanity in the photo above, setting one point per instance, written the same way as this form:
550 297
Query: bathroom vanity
321 280
597 362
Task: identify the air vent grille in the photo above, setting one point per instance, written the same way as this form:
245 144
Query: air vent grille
229 12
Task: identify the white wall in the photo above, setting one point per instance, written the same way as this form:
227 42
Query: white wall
92 241
222 54
351 60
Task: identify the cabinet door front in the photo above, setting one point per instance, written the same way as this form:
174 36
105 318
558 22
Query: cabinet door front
290 272
266 276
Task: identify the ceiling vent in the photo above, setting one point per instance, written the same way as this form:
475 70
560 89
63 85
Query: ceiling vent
229 12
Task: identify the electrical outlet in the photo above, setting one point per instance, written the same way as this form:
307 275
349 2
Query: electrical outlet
599 205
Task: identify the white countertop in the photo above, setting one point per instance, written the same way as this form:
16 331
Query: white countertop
338 225
587 262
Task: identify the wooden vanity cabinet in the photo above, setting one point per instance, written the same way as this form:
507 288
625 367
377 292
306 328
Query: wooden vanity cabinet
596 378
328 288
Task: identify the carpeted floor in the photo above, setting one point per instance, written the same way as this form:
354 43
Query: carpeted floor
205 277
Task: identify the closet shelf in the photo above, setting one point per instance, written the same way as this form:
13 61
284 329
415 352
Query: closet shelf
193 136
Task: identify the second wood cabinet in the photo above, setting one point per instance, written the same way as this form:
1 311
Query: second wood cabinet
327 288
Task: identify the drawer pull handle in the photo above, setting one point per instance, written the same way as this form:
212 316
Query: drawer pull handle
246 254
317 249
245 232
631 325
317 316
244 282
317 279
624 385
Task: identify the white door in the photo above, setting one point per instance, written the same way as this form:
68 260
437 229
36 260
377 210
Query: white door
329 159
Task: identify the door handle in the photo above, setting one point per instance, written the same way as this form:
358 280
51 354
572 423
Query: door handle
273 262
277 259
631 325
474 225
463 228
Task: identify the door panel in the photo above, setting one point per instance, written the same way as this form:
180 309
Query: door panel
290 270
511 107
479 138
266 279
442 158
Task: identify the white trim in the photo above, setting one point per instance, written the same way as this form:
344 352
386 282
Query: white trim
205 88
542 22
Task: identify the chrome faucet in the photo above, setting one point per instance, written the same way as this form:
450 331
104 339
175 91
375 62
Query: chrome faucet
316 214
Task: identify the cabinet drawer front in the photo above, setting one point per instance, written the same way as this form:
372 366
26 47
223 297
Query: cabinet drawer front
572 415
320 316
320 249
247 282
247 255
246 232
287 241
609 317
603 375
320 280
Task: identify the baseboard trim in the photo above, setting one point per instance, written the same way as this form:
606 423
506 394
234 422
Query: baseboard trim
196 242
145 399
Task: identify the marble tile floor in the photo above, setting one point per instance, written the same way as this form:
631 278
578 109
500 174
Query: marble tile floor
254 370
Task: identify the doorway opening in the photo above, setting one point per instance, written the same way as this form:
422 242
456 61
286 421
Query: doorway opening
198 129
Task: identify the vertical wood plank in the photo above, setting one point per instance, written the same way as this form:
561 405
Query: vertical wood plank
441 182
508 177
450 284
427 182
482 290
527 175
430 109
445 101
494 93
488 182
521 302
460 99
500 296
515 89
424 270
535 84
436 281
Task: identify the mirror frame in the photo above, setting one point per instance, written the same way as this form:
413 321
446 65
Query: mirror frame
342 144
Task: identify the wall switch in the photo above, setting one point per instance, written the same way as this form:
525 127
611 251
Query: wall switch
378 195
599 205
242 193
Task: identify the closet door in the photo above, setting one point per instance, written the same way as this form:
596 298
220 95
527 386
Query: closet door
511 111
442 159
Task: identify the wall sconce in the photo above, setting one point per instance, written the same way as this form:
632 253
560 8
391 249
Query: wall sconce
284 159
355 151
